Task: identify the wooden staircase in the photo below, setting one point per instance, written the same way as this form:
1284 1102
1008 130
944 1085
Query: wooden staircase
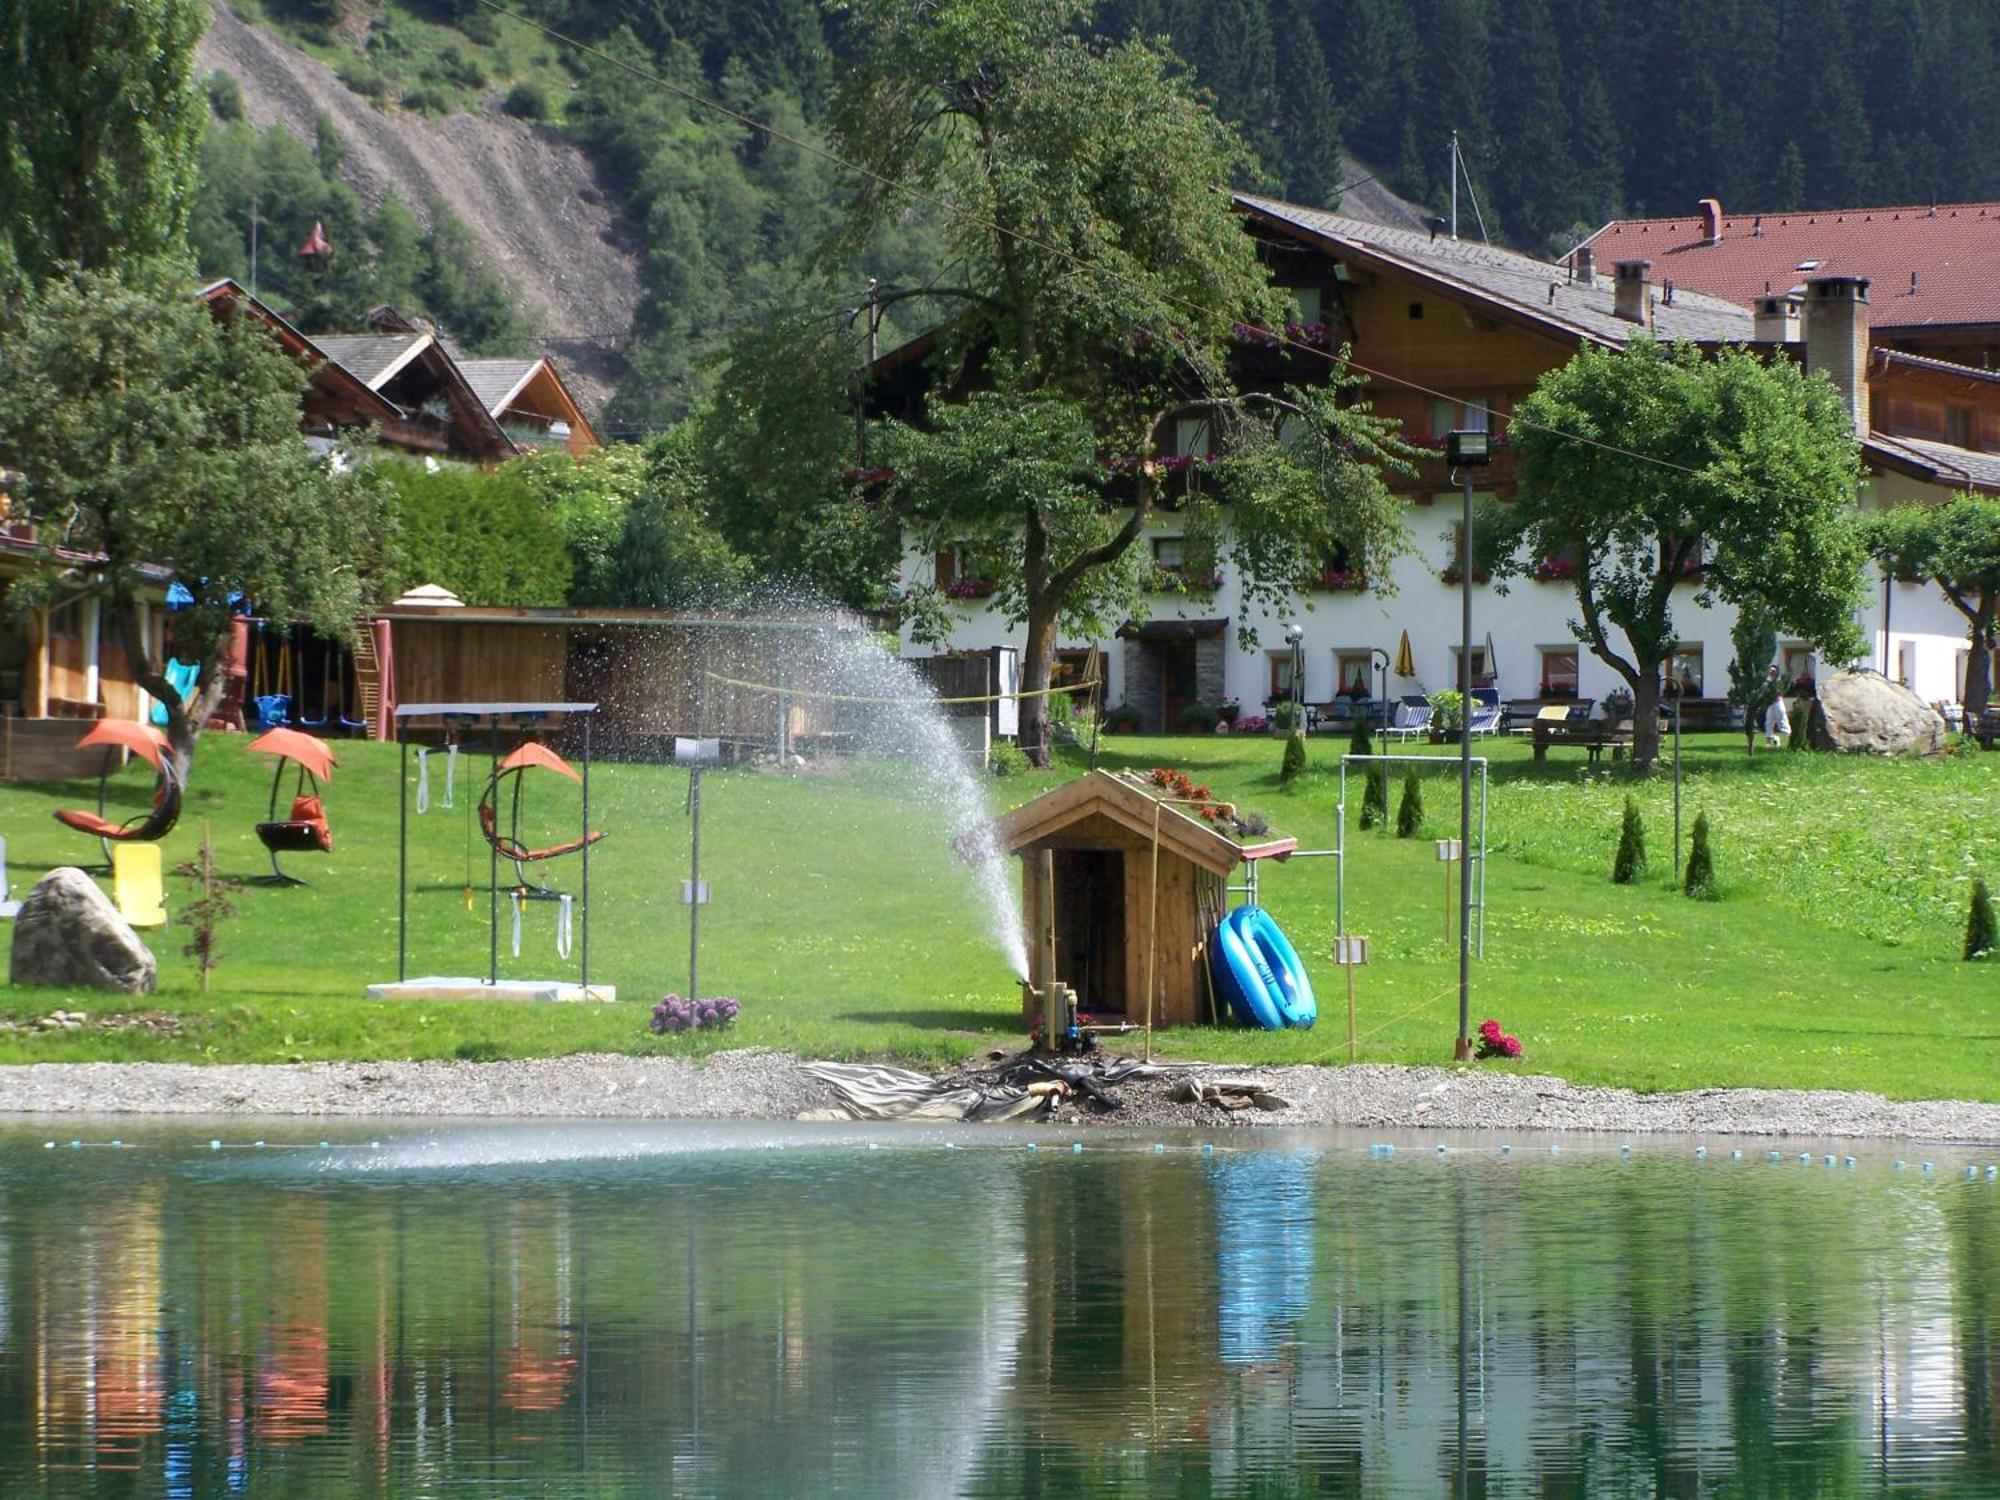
367 674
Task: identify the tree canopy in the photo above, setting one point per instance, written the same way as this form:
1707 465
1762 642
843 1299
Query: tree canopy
150 436
1653 466
98 136
1957 547
1099 280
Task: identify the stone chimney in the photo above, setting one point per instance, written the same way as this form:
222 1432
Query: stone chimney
1776 320
1836 328
1585 263
1711 221
1634 302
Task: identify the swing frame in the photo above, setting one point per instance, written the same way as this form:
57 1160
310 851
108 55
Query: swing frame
497 719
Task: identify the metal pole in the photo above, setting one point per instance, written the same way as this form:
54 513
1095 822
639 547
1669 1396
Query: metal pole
583 963
1462 1048
493 868
1045 941
694 890
1351 1043
1677 781
1153 927
403 859
1340 850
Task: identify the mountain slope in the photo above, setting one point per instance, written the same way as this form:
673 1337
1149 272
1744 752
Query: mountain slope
531 199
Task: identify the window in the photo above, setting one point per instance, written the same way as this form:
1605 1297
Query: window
1684 668
1416 309
1168 553
1281 673
1078 666
1309 302
1455 416
1354 672
1191 437
1559 675
66 621
1958 426
1798 663
1482 675
944 568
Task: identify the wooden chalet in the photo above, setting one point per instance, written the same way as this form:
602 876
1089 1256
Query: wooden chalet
530 401
1101 830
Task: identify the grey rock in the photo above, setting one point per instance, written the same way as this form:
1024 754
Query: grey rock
69 933
1865 711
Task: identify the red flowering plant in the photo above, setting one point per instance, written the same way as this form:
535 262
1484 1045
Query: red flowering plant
1493 1042
1181 787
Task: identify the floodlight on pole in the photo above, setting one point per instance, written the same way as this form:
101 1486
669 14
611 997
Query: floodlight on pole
1467 449
1295 635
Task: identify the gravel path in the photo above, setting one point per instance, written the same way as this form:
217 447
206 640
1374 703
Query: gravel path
770 1085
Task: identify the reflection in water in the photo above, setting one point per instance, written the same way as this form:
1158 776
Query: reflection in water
918 1322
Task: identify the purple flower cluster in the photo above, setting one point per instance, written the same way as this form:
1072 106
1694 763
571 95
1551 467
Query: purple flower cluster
676 1014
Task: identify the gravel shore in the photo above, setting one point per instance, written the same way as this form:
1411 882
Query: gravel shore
770 1085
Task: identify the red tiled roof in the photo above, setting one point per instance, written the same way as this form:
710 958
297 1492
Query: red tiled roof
1952 249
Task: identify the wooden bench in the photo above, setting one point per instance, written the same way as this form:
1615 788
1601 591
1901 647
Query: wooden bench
1592 735
1984 727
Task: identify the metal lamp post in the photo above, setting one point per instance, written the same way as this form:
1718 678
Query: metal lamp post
1380 658
1467 450
1295 633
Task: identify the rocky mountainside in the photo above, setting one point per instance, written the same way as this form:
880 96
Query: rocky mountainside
532 199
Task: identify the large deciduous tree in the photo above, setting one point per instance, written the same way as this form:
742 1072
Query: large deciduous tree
149 436
1956 546
1654 466
1099 281
99 130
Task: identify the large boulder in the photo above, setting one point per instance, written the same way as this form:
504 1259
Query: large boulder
1866 711
69 933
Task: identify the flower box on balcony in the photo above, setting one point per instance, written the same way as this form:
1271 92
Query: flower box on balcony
970 588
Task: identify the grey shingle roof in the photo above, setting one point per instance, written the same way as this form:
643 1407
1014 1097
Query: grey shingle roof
494 380
366 356
1506 276
1961 466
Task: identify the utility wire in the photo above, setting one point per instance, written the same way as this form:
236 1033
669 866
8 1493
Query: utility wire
972 217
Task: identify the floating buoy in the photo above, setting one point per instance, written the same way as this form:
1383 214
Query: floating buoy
1625 1150
1506 1150
1927 1166
1031 1145
1774 1156
1554 1150
1076 1147
1440 1151
1736 1155
1901 1165
1847 1161
1208 1148
1158 1148
1700 1153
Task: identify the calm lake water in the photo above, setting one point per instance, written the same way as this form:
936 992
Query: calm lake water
698 1310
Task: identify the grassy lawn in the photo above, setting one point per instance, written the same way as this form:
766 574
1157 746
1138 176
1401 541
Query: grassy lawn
844 923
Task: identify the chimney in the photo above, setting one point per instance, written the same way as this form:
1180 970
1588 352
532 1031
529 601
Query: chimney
1836 328
1629 287
1776 320
1711 221
1586 266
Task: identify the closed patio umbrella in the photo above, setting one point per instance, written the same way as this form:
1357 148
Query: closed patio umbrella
1406 661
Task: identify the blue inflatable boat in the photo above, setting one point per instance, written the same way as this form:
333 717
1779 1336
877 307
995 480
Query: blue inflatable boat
1259 973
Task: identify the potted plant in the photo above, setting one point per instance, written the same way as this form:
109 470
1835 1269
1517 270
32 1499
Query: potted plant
1618 704
1199 717
1229 710
1124 719
1447 714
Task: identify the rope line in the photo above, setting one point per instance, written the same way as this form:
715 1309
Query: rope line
765 687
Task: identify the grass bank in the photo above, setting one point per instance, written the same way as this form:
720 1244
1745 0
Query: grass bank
846 926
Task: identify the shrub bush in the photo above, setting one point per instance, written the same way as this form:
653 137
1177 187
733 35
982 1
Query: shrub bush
1375 779
1006 759
429 99
527 100
1295 757
368 82
1630 864
1410 807
1200 717
1285 716
225 96
1124 718
486 537
1981 938
1701 863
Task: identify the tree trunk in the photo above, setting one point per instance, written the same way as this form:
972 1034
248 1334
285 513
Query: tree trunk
1646 718
184 721
1979 665
1037 668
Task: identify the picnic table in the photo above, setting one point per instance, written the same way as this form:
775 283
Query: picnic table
1594 736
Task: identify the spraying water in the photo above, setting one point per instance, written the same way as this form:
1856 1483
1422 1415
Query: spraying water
897 714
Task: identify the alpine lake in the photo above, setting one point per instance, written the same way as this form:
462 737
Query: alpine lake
293 1309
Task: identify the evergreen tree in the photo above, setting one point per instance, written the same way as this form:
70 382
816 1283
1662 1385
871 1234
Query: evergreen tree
1700 880
1308 125
1751 686
1360 743
1295 757
102 115
1630 864
1981 937
1410 808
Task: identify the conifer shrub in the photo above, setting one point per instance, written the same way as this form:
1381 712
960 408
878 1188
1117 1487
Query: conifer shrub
1801 717
1410 808
1701 864
1630 864
1374 782
1295 757
1981 938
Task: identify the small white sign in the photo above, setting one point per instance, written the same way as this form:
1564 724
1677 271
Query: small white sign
1450 849
1350 951
694 893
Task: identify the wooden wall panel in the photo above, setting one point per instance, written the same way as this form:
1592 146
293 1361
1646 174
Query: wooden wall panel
446 662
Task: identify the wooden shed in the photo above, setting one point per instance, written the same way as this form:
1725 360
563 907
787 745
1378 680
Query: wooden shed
1099 831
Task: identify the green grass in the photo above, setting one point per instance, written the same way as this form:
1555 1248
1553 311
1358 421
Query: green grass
846 926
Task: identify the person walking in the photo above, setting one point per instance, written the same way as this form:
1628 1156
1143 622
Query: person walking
1778 717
